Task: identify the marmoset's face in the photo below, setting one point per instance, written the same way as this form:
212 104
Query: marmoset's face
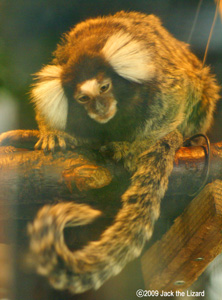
96 96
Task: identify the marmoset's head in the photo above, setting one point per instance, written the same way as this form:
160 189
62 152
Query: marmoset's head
93 74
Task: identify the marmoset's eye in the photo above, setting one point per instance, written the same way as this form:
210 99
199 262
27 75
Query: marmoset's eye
104 88
83 99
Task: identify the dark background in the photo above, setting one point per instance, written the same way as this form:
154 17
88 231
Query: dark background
29 32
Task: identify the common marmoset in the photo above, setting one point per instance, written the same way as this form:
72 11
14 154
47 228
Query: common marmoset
125 82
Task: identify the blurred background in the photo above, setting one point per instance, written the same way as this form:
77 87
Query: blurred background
29 32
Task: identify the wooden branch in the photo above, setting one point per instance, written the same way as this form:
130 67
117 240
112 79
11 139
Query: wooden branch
190 166
195 239
32 177
35 178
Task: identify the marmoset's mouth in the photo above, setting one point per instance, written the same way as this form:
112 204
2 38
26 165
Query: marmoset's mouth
106 115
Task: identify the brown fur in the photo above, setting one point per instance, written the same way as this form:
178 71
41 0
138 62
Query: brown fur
168 97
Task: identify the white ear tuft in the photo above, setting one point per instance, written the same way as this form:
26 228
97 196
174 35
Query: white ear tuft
49 98
129 57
